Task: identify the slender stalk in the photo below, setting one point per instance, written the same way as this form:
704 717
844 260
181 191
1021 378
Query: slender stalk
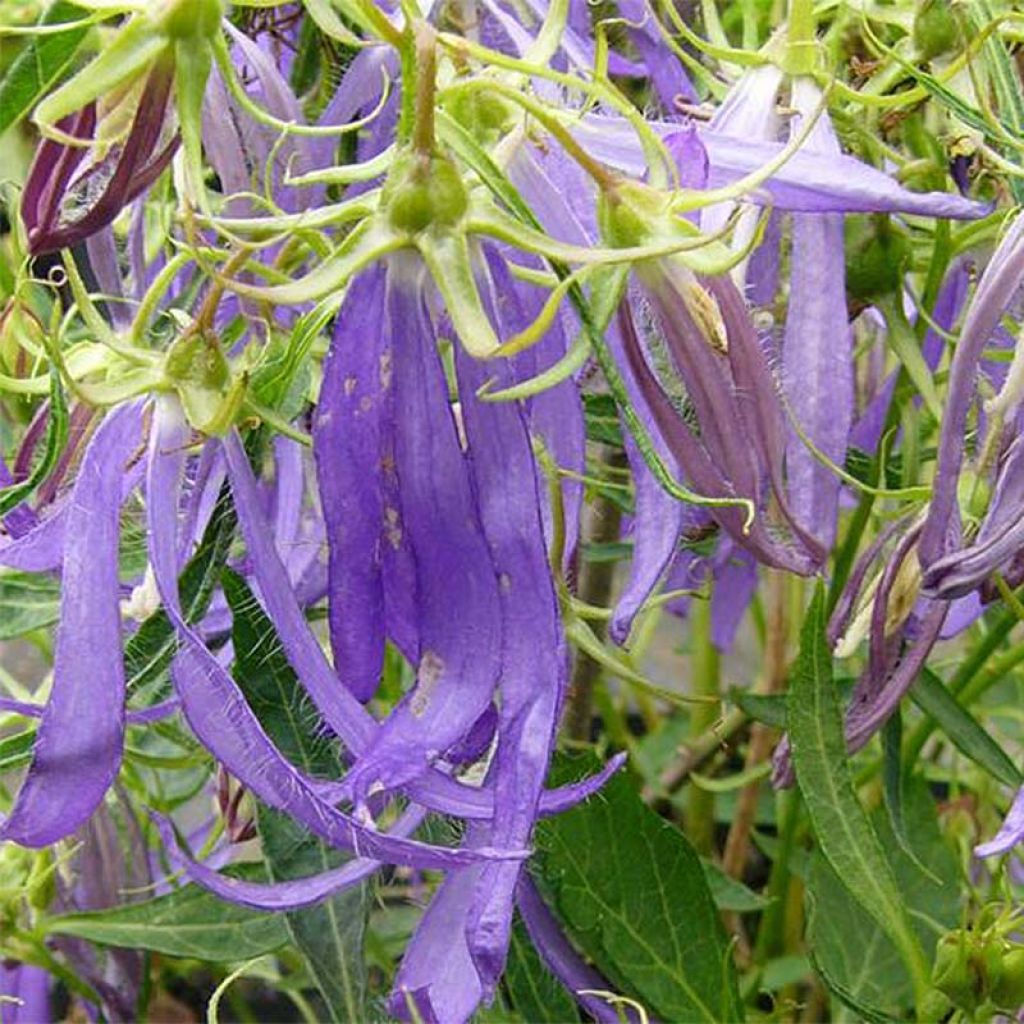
700 816
595 588
762 737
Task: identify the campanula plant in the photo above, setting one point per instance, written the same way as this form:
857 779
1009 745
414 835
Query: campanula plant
511 512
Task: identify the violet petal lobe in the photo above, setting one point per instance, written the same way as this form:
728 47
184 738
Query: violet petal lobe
1011 833
456 585
354 400
290 895
817 357
998 284
80 740
533 656
215 708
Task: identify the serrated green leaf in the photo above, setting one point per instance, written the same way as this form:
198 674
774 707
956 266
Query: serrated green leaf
852 954
329 935
27 601
535 994
39 64
728 893
188 922
844 833
843 829
632 895
149 652
965 732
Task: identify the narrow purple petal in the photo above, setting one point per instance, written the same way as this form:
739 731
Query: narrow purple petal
563 961
216 709
80 740
456 585
817 356
290 895
26 989
807 182
998 285
437 975
533 654
354 408
1010 834
735 580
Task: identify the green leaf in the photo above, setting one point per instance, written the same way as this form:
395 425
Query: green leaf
16 750
188 922
730 894
149 652
602 418
27 601
39 64
617 875
56 434
534 993
929 693
855 958
845 835
330 934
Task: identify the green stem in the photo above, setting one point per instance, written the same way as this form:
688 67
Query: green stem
426 84
770 933
700 817
963 681
595 589
800 37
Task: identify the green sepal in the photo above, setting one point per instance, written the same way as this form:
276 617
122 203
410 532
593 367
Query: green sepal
136 48
448 259
193 60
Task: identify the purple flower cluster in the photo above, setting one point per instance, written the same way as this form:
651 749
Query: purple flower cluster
422 514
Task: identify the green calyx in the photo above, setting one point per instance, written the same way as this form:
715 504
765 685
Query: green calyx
196 369
876 255
630 215
935 29
485 115
185 20
424 192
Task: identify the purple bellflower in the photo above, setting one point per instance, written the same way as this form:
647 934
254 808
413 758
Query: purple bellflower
74 190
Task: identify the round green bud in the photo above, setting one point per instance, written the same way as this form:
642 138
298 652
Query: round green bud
196 361
1008 992
189 19
935 28
953 973
629 214
876 253
484 115
423 193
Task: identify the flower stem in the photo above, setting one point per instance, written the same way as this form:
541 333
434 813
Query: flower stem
595 589
800 38
700 816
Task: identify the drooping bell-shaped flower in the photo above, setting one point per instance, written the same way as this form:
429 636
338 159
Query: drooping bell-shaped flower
950 569
122 146
110 131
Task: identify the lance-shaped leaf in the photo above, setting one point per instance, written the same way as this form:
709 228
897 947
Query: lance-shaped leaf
79 744
844 833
